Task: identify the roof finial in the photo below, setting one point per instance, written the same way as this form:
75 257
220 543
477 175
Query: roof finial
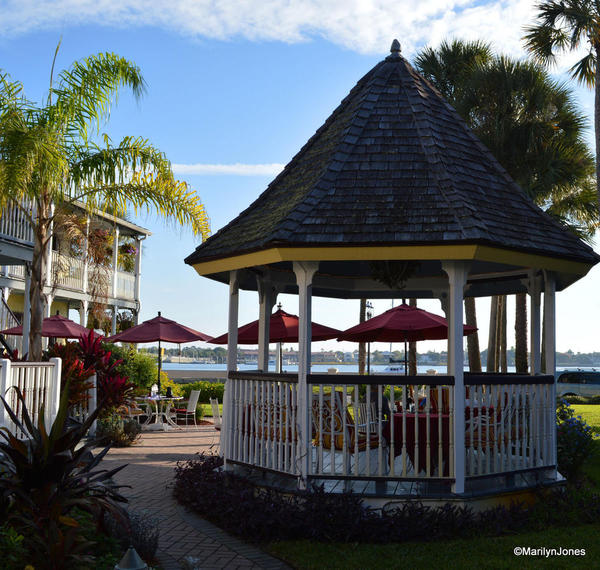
395 49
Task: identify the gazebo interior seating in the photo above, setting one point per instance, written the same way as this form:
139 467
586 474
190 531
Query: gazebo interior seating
394 197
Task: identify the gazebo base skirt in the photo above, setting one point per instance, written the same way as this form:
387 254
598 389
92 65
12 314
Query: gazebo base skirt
480 493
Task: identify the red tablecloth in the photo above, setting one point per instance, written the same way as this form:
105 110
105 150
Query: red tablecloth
419 426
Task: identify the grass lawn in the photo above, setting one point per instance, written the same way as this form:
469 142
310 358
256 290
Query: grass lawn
207 410
590 413
495 552
483 552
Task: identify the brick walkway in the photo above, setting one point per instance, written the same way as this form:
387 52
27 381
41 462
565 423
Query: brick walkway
183 535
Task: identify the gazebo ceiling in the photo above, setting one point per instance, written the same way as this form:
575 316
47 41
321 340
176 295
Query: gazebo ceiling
394 174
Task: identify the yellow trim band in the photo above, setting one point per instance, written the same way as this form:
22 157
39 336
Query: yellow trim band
407 252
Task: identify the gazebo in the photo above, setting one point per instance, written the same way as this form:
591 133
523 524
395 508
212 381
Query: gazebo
394 197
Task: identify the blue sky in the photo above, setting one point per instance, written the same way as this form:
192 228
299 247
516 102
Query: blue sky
235 88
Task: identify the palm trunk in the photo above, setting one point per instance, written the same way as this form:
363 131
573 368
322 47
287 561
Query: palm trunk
412 348
362 347
492 363
521 333
38 281
472 339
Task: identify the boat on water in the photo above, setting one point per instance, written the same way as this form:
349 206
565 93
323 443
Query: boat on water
394 369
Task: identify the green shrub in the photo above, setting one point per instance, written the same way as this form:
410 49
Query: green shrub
574 441
207 390
12 550
118 431
139 366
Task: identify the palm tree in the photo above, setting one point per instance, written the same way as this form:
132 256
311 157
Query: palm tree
49 158
569 25
534 129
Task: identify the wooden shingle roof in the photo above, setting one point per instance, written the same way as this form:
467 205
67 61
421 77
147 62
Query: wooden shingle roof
394 164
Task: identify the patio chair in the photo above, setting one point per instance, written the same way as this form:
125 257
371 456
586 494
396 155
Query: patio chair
367 417
214 404
335 431
189 410
133 411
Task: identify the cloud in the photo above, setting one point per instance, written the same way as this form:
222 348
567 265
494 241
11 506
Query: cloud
366 26
236 169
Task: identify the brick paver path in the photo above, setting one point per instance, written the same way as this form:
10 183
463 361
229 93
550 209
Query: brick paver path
150 472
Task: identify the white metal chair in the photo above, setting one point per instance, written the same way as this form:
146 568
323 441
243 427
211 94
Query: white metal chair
214 403
190 410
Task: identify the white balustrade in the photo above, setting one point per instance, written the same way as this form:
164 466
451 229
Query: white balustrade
509 427
38 382
392 431
67 271
262 426
15 226
125 285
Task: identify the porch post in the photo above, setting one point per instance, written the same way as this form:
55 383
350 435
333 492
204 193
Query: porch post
534 289
232 340
83 311
457 278
85 284
26 311
550 345
115 263
266 297
113 325
305 272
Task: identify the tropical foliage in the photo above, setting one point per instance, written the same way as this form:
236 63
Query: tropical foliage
53 154
46 478
535 130
566 26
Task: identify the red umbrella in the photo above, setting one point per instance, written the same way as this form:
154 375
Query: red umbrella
283 327
159 329
401 324
54 327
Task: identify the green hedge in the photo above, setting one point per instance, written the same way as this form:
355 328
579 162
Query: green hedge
207 390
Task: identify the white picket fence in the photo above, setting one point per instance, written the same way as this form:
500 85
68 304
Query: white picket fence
39 382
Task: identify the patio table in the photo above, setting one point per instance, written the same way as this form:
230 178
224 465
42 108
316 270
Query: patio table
160 406
416 439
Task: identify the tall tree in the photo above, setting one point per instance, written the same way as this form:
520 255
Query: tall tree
571 25
472 339
532 126
52 154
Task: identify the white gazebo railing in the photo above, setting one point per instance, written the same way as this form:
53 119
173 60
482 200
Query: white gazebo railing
391 428
39 382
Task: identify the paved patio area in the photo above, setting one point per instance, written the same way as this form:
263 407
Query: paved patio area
150 472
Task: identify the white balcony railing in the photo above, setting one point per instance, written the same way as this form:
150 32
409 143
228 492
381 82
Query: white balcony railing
14 225
125 286
67 271
390 429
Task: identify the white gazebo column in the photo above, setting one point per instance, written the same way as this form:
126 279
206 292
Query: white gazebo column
232 341
305 271
550 345
26 311
457 278
534 289
267 297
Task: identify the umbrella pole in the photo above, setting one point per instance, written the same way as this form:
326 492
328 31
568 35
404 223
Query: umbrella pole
159 366
405 358
368 359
